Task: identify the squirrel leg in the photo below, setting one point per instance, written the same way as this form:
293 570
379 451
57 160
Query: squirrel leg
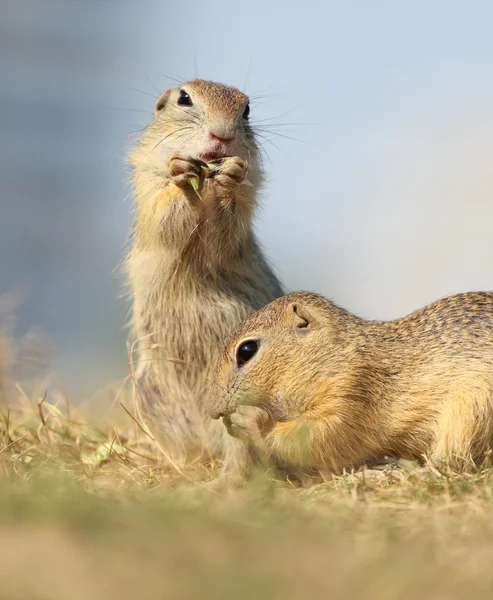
464 430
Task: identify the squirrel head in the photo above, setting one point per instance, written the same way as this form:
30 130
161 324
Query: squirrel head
207 120
274 356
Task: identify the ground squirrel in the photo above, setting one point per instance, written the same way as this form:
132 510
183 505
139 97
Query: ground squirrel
195 269
310 384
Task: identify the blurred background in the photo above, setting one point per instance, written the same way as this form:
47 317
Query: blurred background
380 177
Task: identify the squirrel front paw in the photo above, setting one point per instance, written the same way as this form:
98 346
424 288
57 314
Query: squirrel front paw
248 423
229 172
183 169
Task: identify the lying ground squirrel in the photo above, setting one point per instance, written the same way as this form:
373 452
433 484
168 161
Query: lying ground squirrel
312 385
195 270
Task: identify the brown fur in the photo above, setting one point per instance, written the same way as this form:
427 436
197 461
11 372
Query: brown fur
195 269
332 390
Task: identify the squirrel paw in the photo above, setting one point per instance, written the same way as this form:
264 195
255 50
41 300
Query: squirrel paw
183 168
230 171
248 423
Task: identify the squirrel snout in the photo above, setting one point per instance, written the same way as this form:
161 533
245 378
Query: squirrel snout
222 137
219 414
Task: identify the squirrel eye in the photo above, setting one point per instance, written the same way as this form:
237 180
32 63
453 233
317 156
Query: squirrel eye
246 112
184 99
246 351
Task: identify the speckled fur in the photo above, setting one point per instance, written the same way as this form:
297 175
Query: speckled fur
356 389
195 269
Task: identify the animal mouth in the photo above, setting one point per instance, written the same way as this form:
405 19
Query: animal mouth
208 157
221 414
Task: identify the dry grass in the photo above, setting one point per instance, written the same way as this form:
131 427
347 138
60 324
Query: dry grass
91 508
130 525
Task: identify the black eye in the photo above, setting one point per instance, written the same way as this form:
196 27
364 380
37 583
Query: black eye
184 99
246 351
246 112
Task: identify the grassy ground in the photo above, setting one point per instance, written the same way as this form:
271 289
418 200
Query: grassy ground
82 520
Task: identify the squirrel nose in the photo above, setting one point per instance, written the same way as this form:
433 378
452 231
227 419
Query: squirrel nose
224 140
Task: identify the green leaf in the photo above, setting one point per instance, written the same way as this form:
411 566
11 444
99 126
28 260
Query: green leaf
194 182
103 454
89 459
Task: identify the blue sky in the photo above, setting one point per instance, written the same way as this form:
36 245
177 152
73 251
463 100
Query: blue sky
389 204
383 201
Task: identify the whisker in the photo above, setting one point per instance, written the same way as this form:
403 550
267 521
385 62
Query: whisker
195 63
265 125
288 137
172 78
270 142
190 116
140 110
260 94
262 152
143 92
154 86
248 73
139 131
175 121
278 116
174 132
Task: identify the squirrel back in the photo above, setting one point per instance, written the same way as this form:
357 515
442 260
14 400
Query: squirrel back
420 385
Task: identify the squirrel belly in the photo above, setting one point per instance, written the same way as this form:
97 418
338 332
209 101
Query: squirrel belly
195 270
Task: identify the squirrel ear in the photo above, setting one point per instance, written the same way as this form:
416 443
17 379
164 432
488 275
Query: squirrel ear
301 319
161 102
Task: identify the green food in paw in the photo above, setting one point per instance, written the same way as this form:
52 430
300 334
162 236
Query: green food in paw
207 169
194 182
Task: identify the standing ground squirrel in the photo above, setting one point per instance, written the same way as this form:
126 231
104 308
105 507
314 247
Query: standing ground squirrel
195 269
312 385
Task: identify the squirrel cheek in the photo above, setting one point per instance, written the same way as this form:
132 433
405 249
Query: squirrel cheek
278 408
